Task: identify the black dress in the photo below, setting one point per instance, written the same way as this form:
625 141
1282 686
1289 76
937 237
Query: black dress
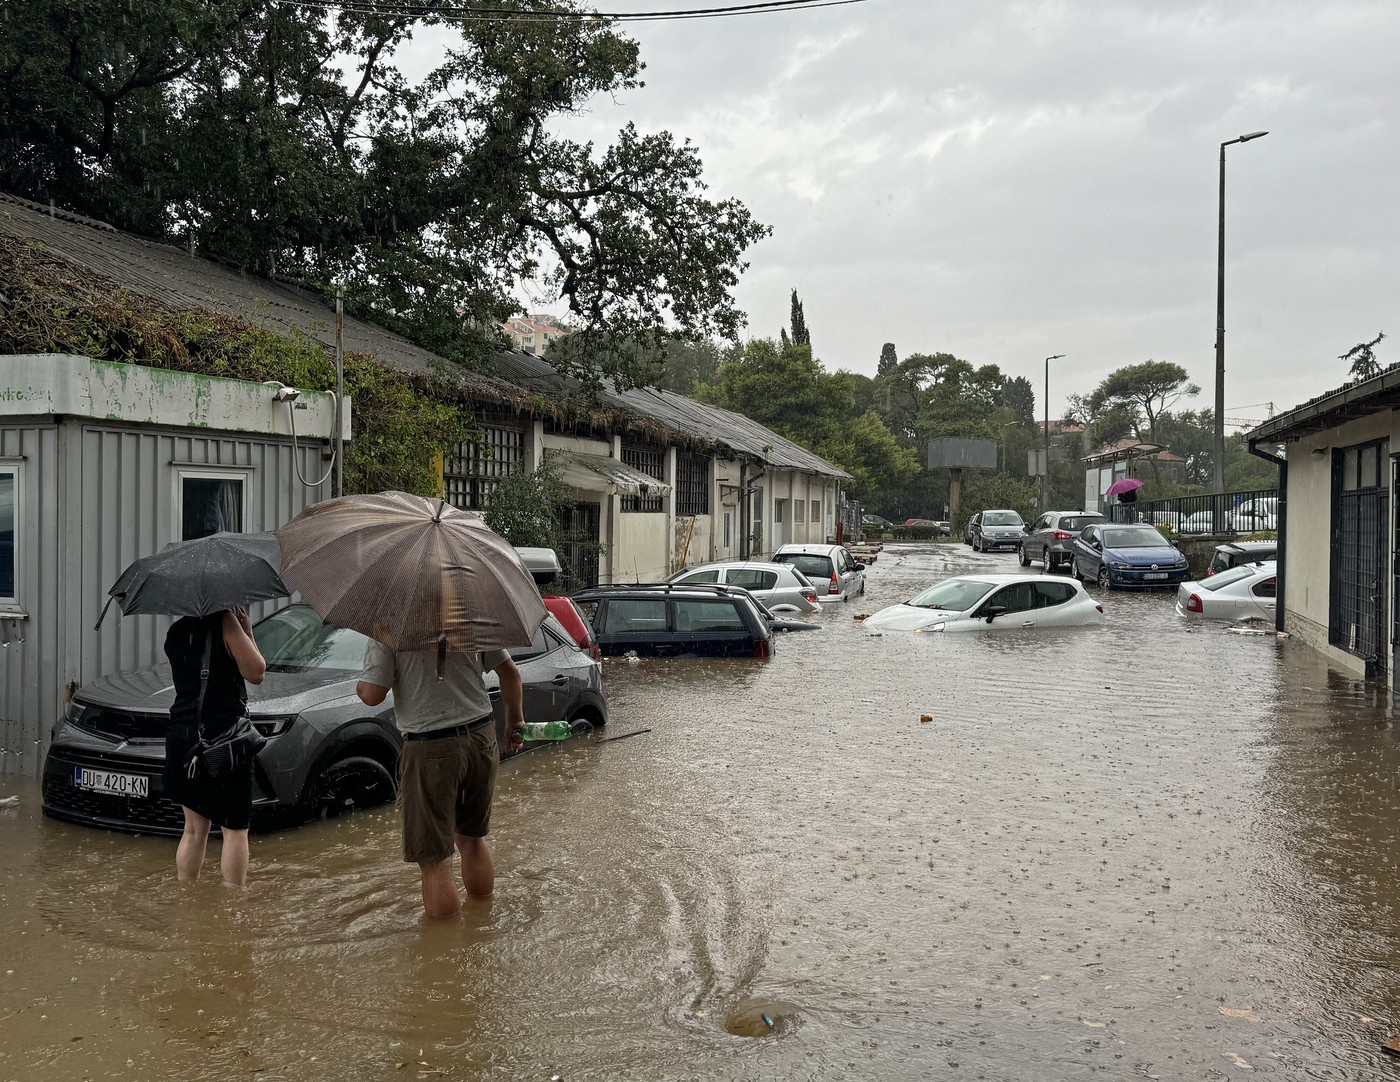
227 801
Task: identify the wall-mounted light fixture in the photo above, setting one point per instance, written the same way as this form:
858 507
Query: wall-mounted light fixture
1318 452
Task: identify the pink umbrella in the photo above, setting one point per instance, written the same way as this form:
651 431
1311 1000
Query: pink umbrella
1127 484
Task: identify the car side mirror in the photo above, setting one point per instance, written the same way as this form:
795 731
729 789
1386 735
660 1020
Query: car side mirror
1176 544
991 612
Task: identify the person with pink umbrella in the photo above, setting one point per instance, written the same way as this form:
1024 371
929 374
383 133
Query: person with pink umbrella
1126 490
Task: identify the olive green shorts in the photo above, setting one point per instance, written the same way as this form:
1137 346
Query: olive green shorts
445 787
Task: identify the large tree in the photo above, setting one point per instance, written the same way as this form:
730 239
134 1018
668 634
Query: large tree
1145 391
281 138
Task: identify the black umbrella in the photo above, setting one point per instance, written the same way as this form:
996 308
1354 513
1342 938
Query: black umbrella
201 577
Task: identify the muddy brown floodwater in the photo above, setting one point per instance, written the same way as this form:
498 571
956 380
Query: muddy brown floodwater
1147 850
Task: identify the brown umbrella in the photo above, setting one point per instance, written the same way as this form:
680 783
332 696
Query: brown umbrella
413 573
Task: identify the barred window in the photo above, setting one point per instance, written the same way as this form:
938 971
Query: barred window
692 484
799 510
651 461
469 474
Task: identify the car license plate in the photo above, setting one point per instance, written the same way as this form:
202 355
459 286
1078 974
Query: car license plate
1155 575
109 781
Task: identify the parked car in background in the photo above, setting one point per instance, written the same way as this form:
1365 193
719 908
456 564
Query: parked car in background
996 529
326 753
1248 590
1240 552
675 620
1164 520
876 520
1048 538
992 603
1135 555
781 587
944 527
830 568
544 567
920 522
1260 513
967 530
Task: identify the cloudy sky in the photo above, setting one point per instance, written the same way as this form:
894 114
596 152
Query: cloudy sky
1004 181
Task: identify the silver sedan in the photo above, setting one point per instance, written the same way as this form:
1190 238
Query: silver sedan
781 587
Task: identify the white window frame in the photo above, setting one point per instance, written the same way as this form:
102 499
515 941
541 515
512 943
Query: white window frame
9 604
799 510
241 474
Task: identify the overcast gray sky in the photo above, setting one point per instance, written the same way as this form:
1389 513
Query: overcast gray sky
1007 181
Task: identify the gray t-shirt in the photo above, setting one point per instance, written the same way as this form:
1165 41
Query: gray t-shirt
422 702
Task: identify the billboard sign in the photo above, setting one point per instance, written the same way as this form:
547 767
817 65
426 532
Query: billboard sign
957 453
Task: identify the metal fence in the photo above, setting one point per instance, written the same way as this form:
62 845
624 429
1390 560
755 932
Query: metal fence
1224 513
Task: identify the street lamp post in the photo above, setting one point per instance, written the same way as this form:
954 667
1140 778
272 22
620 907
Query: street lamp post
1220 326
1045 472
1004 457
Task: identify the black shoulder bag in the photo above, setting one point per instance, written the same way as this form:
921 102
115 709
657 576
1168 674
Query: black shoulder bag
228 751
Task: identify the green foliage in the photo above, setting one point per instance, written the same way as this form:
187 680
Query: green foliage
782 386
1019 397
283 139
800 335
397 428
868 451
1363 358
994 490
1141 394
523 507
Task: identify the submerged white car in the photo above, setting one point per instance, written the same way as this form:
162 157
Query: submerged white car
993 603
1244 591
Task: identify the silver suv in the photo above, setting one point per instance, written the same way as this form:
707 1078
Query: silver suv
1049 537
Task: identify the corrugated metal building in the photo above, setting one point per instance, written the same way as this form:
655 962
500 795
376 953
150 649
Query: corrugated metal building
102 463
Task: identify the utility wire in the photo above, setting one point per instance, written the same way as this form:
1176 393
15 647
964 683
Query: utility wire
461 14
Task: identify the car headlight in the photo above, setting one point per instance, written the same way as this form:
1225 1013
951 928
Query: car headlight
1117 566
273 726
75 711
930 627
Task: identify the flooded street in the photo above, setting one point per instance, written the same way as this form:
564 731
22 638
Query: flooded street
1146 850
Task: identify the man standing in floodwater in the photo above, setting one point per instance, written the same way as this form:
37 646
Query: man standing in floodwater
447 771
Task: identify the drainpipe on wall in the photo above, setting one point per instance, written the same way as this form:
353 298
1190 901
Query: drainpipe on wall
743 509
1281 527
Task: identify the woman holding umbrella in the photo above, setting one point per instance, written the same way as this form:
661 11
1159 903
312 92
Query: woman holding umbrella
207 582
227 800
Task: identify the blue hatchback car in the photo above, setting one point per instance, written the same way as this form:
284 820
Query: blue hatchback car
1115 555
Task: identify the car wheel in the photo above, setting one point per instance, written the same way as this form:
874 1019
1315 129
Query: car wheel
1025 557
1074 570
1104 581
1052 561
356 781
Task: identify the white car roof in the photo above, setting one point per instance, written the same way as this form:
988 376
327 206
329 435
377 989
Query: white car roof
1004 579
811 549
762 565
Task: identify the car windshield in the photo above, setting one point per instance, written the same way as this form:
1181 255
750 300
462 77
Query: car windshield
1134 537
955 595
1235 574
296 639
1001 518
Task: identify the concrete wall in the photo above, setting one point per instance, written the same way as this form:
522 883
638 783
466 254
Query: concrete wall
1308 539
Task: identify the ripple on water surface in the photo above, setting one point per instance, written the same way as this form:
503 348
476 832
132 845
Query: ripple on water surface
1142 849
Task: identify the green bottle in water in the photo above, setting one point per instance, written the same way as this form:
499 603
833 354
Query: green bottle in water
547 730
